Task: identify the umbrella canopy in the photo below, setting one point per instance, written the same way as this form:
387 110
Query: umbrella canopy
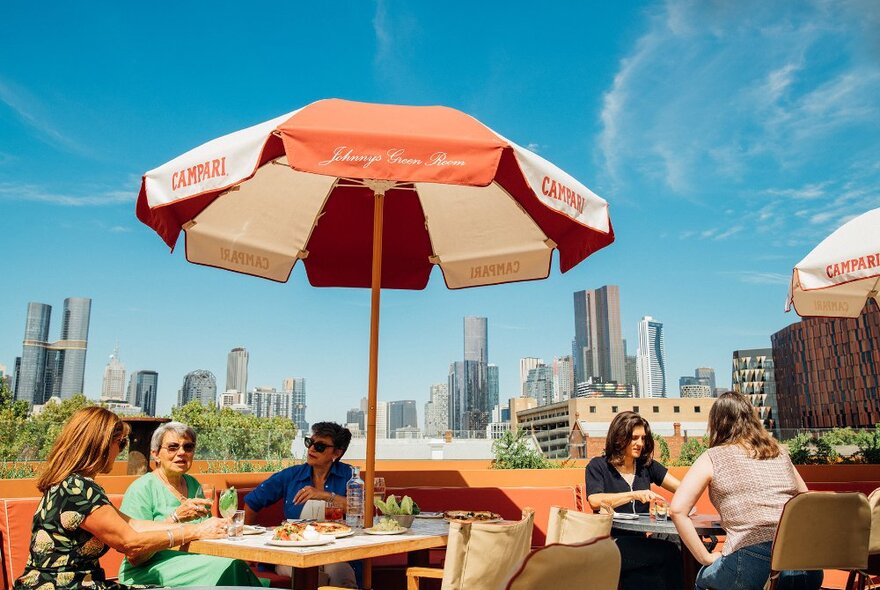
371 195
841 274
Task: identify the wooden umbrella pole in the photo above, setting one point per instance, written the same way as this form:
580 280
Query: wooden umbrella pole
378 218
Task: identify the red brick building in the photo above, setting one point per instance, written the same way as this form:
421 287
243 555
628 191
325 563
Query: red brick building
828 372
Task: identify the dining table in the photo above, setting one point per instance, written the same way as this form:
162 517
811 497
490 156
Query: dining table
708 526
424 534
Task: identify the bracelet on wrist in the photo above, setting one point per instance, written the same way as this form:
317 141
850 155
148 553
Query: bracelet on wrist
170 538
174 516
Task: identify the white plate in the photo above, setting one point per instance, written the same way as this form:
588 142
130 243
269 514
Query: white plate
347 533
375 531
625 516
437 515
253 529
324 540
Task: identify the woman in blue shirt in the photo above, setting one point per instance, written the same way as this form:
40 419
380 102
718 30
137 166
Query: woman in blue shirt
322 477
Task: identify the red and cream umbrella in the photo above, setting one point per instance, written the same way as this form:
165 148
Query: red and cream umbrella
371 195
842 273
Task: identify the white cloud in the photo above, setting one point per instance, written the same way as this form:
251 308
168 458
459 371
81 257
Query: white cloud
38 194
32 113
758 278
751 104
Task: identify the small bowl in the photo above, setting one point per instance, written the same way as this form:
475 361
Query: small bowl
404 520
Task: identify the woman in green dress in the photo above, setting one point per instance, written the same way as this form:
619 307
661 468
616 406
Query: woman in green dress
168 495
75 521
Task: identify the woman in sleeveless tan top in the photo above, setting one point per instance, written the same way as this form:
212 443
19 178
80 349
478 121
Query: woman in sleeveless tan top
750 478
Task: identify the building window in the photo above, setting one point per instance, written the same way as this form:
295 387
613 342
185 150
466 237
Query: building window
656 409
697 409
614 409
592 409
676 409
636 409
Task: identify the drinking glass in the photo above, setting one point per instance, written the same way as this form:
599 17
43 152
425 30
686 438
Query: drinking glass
661 509
235 528
378 491
332 512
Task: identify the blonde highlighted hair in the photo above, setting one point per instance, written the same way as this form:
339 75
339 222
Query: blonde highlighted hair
734 421
83 446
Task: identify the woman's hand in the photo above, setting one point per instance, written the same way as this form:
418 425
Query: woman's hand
213 528
310 493
644 495
192 508
711 558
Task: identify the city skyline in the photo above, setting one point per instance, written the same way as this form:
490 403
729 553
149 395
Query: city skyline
728 141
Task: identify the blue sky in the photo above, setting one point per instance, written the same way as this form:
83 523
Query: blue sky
728 138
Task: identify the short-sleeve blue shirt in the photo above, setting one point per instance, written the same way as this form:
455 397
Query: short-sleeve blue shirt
287 482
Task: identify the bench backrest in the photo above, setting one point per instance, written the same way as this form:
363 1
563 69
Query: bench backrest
16 521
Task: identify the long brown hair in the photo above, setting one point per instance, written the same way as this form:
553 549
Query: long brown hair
83 446
620 435
734 421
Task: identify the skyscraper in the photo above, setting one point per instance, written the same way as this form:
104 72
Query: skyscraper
493 385
143 390
437 410
237 370
31 372
199 385
708 374
267 402
72 347
539 384
401 414
754 376
468 383
651 359
563 379
597 348
525 365
296 387
113 385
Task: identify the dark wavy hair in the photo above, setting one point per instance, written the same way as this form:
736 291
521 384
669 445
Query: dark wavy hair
340 435
734 421
620 434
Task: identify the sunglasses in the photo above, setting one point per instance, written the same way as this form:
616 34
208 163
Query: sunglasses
174 447
319 446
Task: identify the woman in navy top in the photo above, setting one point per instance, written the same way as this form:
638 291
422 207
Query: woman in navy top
622 478
322 477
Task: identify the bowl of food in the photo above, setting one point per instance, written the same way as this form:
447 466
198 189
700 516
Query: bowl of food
404 520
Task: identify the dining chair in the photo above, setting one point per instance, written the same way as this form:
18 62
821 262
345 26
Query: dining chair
570 526
821 530
480 556
594 565
873 569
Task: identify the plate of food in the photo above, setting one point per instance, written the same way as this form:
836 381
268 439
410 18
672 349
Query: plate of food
298 534
253 529
437 515
336 529
472 516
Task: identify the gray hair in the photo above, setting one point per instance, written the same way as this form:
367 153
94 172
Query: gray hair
181 429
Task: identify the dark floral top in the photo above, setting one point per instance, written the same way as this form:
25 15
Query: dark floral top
64 556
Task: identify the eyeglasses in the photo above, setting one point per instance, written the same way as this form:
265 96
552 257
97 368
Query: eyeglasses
174 447
122 442
319 446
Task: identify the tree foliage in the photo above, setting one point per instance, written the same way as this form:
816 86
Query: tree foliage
661 448
513 450
30 438
224 434
691 449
